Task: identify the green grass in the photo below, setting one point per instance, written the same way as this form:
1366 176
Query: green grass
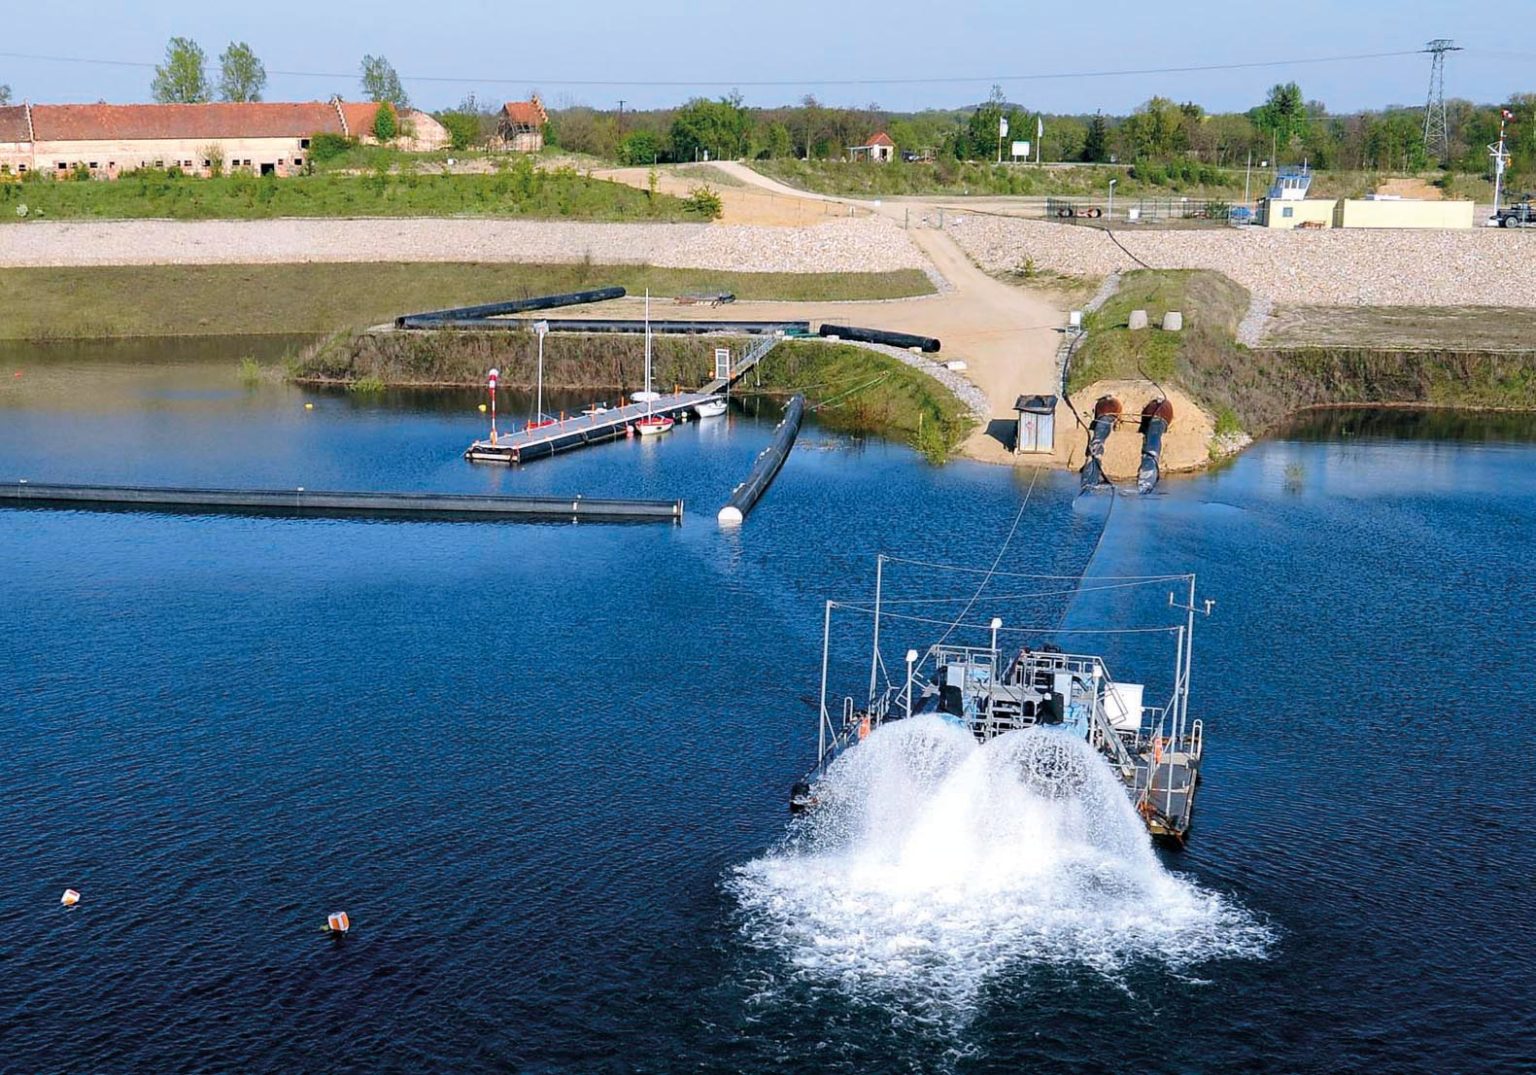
1151 180
859 390
956 178
1212 306
519 191
197 300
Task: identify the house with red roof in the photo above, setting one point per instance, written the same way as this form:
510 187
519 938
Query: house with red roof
264 138
520 125
879 149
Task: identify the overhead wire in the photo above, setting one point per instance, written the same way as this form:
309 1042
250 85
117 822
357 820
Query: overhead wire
1038 76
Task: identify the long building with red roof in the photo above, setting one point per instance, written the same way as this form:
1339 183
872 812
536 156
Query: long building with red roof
264 138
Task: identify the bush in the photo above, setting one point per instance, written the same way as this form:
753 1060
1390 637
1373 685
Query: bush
463 128
704 202
641 147
324 147
386 125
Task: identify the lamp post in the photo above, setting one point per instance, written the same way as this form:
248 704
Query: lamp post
490 380
996 623
1111 213
540 329
911 660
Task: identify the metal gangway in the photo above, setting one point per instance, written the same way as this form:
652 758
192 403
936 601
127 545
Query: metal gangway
734 372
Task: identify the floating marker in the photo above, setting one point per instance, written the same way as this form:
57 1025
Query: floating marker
309 406
71 897
338 922
482 408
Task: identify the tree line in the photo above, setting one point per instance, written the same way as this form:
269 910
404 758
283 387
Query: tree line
1285 127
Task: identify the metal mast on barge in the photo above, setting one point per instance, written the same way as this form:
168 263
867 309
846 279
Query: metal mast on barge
1154 750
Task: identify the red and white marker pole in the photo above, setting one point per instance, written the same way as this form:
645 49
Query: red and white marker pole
490 381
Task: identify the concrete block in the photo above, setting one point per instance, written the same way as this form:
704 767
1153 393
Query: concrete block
1173 321
1138 319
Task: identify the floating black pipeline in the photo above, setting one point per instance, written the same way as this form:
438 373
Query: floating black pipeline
435 318
928 344
746 495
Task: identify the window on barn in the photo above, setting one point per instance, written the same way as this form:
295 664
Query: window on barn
303 143
298 162
93 164
207 164
63 167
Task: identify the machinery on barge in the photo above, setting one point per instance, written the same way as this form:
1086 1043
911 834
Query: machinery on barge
1154 750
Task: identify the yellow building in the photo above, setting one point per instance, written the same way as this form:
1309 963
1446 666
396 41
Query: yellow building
1404 213
1294 212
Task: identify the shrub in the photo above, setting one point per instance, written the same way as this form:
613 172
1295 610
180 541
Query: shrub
641 147
324 147
704 202
463 128
386 125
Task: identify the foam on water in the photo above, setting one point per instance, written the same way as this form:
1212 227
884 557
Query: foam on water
932 863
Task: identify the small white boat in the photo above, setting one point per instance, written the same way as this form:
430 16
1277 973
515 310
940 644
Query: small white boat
710 408
653 425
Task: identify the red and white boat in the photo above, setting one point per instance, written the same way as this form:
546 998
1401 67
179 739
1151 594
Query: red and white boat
652 425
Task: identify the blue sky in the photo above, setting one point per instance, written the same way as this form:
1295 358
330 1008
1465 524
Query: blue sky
806 46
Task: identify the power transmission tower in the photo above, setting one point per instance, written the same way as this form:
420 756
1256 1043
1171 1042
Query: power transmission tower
1437 129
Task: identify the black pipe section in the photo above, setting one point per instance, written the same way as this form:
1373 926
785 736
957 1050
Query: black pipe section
1149 472
1155 418
307 503
746 495
876 335
666 328
1106 412
512 306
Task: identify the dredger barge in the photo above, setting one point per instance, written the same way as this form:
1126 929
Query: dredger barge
1155 751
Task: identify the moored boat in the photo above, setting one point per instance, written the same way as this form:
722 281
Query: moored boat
653 424
711 408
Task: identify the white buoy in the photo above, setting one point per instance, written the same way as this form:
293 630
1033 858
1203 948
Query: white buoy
71 897
309 406
338 922
730 515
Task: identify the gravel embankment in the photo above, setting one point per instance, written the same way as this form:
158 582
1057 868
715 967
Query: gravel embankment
858 245
1475 267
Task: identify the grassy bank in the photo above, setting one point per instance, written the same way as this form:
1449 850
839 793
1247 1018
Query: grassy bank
851 388
559 194
1148 180
1212 306
1257 389
175 300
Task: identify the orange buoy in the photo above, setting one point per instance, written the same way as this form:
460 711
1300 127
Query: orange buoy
338 922
71 897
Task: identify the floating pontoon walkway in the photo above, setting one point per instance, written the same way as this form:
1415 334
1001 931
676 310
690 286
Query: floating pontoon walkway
324 504
537 441
550 438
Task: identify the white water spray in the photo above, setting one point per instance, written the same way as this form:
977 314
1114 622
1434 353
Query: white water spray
932 863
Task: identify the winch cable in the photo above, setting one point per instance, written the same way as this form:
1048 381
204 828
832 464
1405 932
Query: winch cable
1001 552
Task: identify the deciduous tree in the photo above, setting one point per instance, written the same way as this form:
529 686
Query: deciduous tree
242 76
183 79
381 83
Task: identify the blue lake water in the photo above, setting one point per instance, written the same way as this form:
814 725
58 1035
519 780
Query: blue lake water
535 763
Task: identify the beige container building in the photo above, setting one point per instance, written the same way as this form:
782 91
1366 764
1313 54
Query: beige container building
1404 213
